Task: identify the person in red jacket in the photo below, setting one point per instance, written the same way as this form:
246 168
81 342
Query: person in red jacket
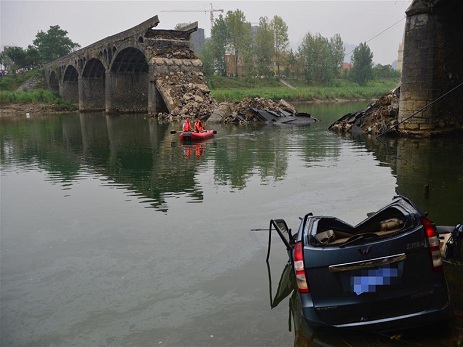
199 126
187 125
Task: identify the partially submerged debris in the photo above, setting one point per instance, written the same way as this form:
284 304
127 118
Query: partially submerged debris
185 94
377 118
260 110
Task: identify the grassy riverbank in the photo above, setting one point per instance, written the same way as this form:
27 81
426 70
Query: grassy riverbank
232 89
27 91
222 89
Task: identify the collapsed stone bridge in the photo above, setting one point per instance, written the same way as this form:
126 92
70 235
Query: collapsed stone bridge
121 73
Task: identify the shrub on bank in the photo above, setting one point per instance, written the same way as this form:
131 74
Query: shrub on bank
39 95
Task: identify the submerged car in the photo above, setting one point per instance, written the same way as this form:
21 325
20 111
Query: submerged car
383 274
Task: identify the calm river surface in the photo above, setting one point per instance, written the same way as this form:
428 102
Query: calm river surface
115 234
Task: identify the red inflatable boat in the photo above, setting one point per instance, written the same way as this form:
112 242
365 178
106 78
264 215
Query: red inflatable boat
194 136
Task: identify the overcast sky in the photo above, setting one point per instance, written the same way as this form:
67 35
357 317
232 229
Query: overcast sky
379 23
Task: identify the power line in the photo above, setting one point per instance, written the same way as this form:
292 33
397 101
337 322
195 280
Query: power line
389 27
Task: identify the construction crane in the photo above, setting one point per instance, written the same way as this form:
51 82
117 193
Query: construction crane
212 10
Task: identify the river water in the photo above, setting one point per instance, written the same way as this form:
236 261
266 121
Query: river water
115 234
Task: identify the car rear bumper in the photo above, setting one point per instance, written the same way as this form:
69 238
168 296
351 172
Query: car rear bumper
393 323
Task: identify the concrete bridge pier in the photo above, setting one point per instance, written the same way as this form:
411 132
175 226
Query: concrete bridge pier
432 66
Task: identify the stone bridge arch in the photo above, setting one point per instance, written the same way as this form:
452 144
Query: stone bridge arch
92 86
53 81
69 87
127 81
119 73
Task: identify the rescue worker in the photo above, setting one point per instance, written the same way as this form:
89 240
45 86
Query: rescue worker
199 126
187 125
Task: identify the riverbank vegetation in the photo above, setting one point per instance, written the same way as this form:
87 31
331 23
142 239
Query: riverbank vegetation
29 88
235 89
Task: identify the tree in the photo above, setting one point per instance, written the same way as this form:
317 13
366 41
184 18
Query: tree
53 44
362 64
321 58
385 71
238 35
281 41
207 59
337 53
247 51
291 64
13 58
219 38
32 57
264 47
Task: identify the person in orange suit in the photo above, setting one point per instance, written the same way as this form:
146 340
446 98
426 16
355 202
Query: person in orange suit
187 125
199 126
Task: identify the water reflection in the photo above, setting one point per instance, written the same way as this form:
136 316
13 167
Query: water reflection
143 156
428 170
194 149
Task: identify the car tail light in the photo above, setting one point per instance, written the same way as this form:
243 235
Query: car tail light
301 279
434 242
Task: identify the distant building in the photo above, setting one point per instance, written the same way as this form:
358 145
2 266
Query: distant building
230 61
400 56
346 66
197 40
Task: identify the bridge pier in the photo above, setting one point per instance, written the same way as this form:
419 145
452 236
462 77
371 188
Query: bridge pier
126 92
432 66
69 91
91 94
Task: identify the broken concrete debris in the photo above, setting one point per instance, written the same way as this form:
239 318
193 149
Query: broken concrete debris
187 94
377 118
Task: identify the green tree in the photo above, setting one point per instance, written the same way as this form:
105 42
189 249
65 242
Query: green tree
264 47
53 44
314 54
291 64
362 64
247 51
13 58
207 58
384 72
337 54
219 39
321 58
32 57
238 35
281 41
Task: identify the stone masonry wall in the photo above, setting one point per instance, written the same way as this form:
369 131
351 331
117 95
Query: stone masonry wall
432 65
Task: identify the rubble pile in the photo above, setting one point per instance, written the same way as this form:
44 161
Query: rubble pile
380 116
242 112
185 94
170 49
